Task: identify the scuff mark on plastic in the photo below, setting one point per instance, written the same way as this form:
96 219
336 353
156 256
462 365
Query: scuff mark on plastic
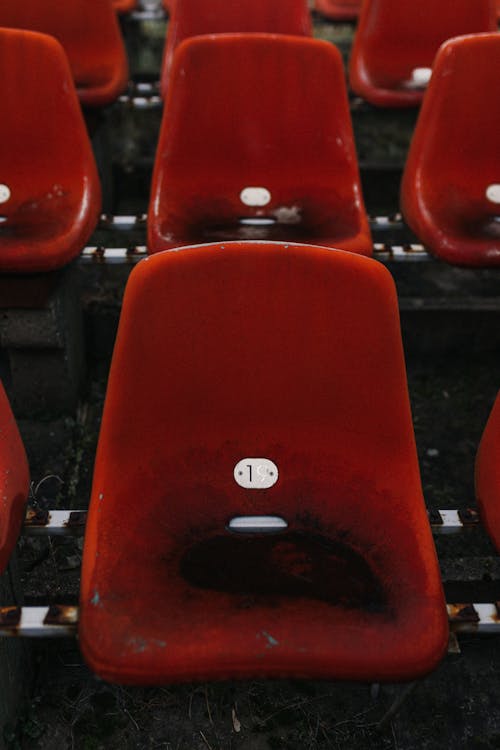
271 642
138 645
160 644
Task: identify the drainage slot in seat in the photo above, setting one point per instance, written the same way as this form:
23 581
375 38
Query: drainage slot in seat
256 221
257 524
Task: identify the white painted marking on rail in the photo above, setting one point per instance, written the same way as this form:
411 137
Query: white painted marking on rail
256 524
257 222
493 193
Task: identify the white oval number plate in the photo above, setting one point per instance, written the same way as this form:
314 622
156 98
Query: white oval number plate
255 196
493 193
256 473
4 193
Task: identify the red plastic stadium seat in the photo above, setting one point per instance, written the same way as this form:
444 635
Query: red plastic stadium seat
14 481
339 10
49 188
488 475
89 32
124 6
396 42
451 186
283 170
237 365
196 17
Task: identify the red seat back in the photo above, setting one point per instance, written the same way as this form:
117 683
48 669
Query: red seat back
124 6
49 187
488 475
296 146
287 352
451 186
339 10
197 17
396 40
14 481
89 32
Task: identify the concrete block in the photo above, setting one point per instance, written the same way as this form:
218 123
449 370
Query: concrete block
43 351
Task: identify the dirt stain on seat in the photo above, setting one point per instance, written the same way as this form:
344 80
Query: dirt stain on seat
294 564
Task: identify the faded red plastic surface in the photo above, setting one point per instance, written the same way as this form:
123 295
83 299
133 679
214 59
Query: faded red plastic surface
89 32
272 350
339 10
197 17
448 193
297 144
393 39
488 475
124 6
14 481
47 164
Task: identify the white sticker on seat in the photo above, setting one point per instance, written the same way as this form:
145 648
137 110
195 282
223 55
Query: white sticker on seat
4 193
256 473
255 196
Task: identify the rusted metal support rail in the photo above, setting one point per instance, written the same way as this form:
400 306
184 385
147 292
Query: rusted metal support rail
72 522
144 95
384 252
61 621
